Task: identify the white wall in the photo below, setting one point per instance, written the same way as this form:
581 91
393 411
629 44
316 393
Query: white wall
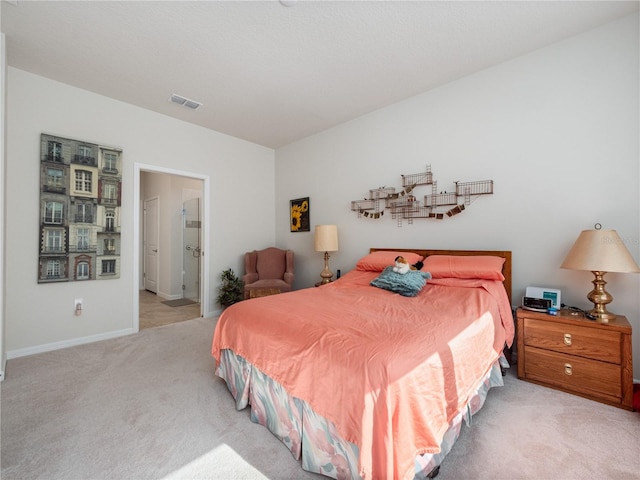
557 130
241 213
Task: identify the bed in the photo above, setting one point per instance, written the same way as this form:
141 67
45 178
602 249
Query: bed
372 376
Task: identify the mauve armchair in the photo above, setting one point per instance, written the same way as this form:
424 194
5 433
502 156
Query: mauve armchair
267 271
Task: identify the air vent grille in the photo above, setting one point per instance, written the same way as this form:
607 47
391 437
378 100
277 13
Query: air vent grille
191 104
185 102
177 99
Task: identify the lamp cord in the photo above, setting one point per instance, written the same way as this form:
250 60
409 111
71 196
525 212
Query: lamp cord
569 307
576 309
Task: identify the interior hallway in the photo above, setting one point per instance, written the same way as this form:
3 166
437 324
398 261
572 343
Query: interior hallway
154 313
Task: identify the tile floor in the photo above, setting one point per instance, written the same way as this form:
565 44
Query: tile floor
153 313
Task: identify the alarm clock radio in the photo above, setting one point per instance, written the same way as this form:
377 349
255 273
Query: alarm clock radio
536 304
552 294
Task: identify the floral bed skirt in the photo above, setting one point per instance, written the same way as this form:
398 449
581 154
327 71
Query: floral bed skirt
314 440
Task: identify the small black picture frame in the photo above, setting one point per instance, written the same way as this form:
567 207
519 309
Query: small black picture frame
299 215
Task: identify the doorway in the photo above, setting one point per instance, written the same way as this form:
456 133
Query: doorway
171 269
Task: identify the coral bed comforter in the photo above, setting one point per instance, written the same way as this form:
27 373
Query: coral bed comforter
389 371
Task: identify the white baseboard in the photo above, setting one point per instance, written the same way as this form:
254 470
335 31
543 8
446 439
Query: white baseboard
168 296
48 347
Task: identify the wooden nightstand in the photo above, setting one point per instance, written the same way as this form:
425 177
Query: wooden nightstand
577 355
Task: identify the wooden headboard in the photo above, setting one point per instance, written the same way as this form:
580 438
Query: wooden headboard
506 254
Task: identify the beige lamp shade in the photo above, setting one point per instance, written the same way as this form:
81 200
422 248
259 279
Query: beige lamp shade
600 251
326 238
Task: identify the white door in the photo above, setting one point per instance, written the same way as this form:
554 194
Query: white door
150 245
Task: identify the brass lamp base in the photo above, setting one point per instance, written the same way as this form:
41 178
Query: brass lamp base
326 274
600 298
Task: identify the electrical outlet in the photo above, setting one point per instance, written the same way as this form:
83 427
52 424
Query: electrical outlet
78 306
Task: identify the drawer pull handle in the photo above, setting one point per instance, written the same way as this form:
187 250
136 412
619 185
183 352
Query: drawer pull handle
567 339
567 369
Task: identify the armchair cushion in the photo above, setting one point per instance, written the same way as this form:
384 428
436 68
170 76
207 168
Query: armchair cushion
271 264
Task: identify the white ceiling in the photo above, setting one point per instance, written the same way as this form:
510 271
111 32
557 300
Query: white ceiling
273 74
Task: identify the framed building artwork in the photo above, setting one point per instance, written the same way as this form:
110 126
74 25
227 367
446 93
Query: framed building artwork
299 220
80 209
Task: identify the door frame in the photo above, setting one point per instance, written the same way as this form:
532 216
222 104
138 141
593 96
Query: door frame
137 237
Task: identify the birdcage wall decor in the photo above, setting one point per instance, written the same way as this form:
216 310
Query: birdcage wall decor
404 204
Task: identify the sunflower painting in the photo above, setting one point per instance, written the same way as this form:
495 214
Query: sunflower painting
300 215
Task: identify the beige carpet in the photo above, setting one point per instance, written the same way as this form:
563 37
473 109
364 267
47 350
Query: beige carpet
148 406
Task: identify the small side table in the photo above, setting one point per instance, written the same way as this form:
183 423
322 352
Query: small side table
577 355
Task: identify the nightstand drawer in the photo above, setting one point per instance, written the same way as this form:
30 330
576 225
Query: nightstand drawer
593 343
574 373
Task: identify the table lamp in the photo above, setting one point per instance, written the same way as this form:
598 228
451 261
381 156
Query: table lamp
326 240
600 251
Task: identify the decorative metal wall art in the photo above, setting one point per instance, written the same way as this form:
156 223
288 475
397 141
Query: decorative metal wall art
404 205
80 206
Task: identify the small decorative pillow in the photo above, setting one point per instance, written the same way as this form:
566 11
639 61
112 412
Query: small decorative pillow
408 284
472 266
378 261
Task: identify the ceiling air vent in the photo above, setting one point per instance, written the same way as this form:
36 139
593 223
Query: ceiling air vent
192 104
185 102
